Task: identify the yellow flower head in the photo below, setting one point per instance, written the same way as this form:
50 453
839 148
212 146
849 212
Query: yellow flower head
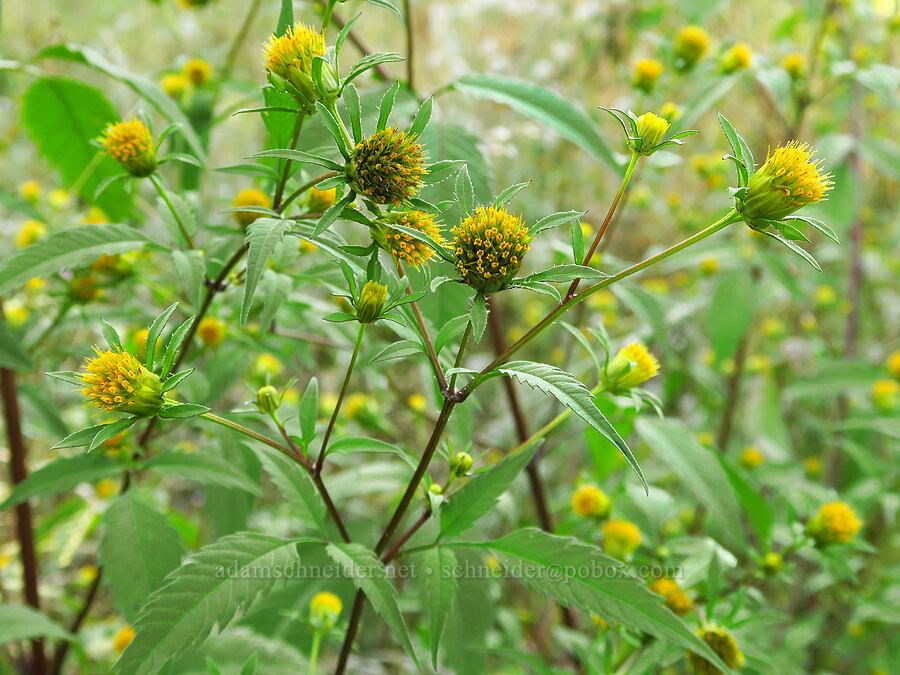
16 312
834 522
30 232
740 56
825 296
116 381
85 288
267 363
651 129
672 113
886 395
30 190
371 301
59 198
106 488
751 457
590 501
417 402
131 145
250 197
812 466
632 366
95 216
197 71
676 599
893 364
290 56
319 200
401 245
646 73
773 562
691 43
324 610
620 538
490 245
795 65
709 265
123 638
387 167
357 406
788 180
211 331
723 644
174 84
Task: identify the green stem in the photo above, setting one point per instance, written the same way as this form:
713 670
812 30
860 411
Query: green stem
730 217
282 182
240 428
48 331
332 108
157 183
314 652
326 19
337 406
303 188
239 38
635 156
407 15
426 339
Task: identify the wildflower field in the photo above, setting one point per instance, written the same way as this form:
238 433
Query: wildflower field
450 336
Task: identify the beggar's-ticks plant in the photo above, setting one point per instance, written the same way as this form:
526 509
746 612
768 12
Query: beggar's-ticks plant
357 192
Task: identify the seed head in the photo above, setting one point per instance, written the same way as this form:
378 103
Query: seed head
387 167
116 381
723 644
589 501
131 145
370 302
632 366
490 245
788 180
401 245
250 197
834 522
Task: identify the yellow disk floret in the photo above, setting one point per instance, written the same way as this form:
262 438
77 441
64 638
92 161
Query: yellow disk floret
620 538
723 644
116 381
403 246
789 179
834 523
589 501
131 145
387 167
676 599
489 246
290 56
632 366
250 197
30 232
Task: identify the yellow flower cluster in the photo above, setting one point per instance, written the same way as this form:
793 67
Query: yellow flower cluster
834 522
30 232
116 381
723 644
691 43
290 57
250 197
490 245
620 538
676 599
387 167
131 145
589 501
404 247
631 367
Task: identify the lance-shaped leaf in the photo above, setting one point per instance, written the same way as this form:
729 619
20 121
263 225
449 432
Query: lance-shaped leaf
263 236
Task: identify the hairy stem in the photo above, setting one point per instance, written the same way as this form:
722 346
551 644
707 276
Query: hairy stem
157 183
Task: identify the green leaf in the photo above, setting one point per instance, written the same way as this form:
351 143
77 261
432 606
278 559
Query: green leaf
300 157
575 396
754 504
422 117
63 475
465 193
309 410
295 485
730 312
477 497
182 411
173 345
351 444
332 214
387 104
555 220
109 431
285 17
578 574
439 564
18 622
138 548
263 236
74 247
546 107
12 355
673 442
561 273
202 467
276 288
370 61
204 593
478 315
368 574
62 117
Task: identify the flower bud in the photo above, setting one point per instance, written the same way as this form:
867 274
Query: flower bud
370 302
646 73
131 145
632 366
30 191
324 610
739 57
116 381
589 501
795 65
691 43
651 129
834 523
268 400
772 563
461 464
435 489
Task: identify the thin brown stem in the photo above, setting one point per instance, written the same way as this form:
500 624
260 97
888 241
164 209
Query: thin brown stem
395 549
733 389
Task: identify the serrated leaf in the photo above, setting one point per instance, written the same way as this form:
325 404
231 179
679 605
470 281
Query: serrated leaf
138 548
578 574
478 315
154 331
730 312
368 574
555 220
565 273
203 594
295 486
202 467
18 622
182 411
575 396
263 235
422 117
74 247
63 475
439 564
370 61
465 193
477 497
